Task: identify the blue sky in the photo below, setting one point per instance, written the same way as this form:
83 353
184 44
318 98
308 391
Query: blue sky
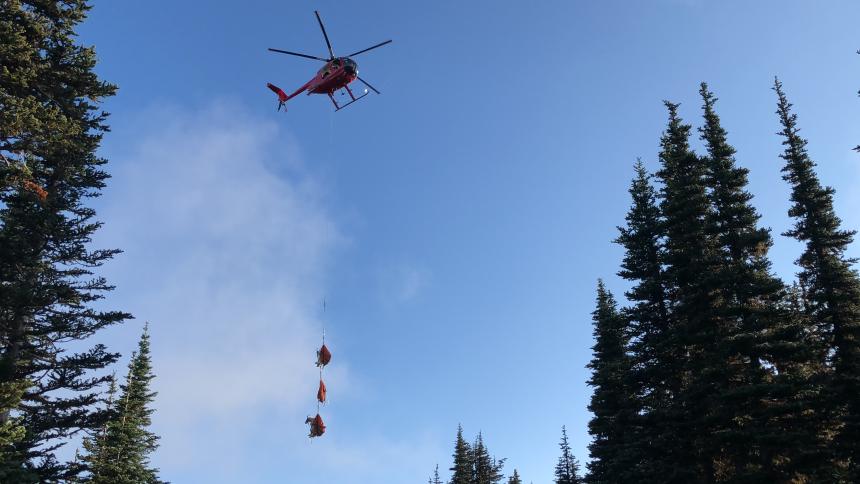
456 224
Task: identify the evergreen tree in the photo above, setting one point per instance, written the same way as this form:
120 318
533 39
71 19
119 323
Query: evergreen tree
11 430
747 317
486 470
435 479
50 129
99 453
689 261
799 415
515 478
654 378
832 287
463 463
11 434
609 402
766 354
567 469
120 453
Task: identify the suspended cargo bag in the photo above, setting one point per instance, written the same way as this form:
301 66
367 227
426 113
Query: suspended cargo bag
323 356
321 392
317 426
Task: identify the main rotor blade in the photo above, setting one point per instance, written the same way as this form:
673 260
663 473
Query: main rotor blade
368 85
324 34
370 48
297 54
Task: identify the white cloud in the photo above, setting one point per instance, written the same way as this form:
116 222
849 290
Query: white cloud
227 244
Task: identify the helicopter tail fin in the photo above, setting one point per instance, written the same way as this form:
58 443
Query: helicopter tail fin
282 96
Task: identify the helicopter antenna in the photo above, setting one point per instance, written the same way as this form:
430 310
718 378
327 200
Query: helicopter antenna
327 42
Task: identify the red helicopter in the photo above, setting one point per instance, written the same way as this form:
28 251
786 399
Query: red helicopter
336 74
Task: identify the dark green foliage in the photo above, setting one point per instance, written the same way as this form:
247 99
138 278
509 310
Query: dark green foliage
832 288
486 469
689 259
740 438
50 128
463 460
733 220
473 464
11 434
769 359
11 430
610 403
515 478
119 453
653 378
567 469
435 478
717 372
99 452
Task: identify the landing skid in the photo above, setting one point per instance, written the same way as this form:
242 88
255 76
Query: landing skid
338 107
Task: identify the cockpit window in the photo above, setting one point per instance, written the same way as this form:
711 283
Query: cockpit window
347 64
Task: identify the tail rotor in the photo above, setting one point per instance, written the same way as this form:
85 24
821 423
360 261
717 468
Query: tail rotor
282 96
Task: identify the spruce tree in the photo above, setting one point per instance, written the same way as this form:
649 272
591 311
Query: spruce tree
11 430
486 469
515 478
759 434
609 402
742 442
799 412
120 453
567 469
463 463
50 129
654 377
832 287
98 451
11 434
689 261
435 479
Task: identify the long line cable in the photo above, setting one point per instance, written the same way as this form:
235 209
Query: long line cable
323 344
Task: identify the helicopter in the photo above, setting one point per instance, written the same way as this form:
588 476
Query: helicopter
335 75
